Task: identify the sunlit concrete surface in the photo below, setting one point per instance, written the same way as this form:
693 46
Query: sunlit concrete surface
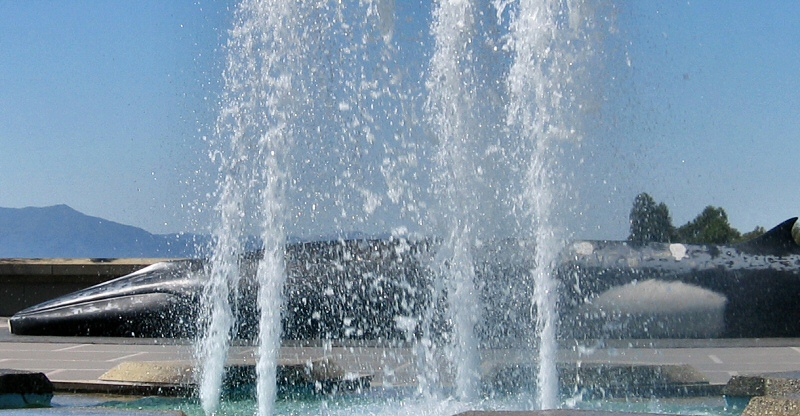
84 360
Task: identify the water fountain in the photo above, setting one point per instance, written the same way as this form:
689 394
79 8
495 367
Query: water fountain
460 173
450 105
255 118
271 80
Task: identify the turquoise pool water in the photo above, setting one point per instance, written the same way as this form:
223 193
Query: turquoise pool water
363 405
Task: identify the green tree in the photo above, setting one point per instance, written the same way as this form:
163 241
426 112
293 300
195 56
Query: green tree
650 222
710 227
757 232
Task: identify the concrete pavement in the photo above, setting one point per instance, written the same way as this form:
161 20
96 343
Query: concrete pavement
79 363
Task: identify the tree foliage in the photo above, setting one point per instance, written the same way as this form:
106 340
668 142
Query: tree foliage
757 232
710 227
650 222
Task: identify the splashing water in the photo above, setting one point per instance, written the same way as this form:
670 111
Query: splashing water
546 45
262 50
545 37
450 106
291 76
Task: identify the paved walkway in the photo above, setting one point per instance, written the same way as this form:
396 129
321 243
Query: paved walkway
84 360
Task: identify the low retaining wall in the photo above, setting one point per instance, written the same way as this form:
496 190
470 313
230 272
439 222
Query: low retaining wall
27 282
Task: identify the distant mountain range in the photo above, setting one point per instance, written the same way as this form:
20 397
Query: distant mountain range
60 231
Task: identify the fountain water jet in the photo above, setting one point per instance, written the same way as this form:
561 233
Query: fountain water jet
545 39
450 107
274 79
263 49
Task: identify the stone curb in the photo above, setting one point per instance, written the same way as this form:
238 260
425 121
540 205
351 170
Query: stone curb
772 406
603 380
772 385
773 394
180 377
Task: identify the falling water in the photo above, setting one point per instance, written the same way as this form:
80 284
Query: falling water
450 107
292 76
546 39
547 47
255 119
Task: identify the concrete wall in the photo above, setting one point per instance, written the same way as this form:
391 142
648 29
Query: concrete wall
27 282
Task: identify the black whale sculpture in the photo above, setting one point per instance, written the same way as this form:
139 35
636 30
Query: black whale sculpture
622 289
333 289
381 289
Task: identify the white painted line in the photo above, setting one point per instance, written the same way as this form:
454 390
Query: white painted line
796 348
54 372
125 357
715 359
401 366
72 347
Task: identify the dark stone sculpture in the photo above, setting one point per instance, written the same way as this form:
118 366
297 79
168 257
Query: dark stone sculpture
384 290
754 285
333 289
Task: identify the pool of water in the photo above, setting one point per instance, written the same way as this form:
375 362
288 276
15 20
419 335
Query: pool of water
394 404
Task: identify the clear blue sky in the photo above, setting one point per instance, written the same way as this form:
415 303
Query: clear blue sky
104 106
718 85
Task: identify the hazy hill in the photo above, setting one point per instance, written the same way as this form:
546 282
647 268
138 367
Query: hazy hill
60 231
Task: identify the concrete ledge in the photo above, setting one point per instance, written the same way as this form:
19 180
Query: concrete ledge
152 372
605 380
772 385
772 394
122 388
27 282
179 377
772 406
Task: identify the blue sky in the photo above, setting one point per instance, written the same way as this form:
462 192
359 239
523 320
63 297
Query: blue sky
104 107
720 87
100 103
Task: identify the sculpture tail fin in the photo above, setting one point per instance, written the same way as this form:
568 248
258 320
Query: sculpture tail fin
778 240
